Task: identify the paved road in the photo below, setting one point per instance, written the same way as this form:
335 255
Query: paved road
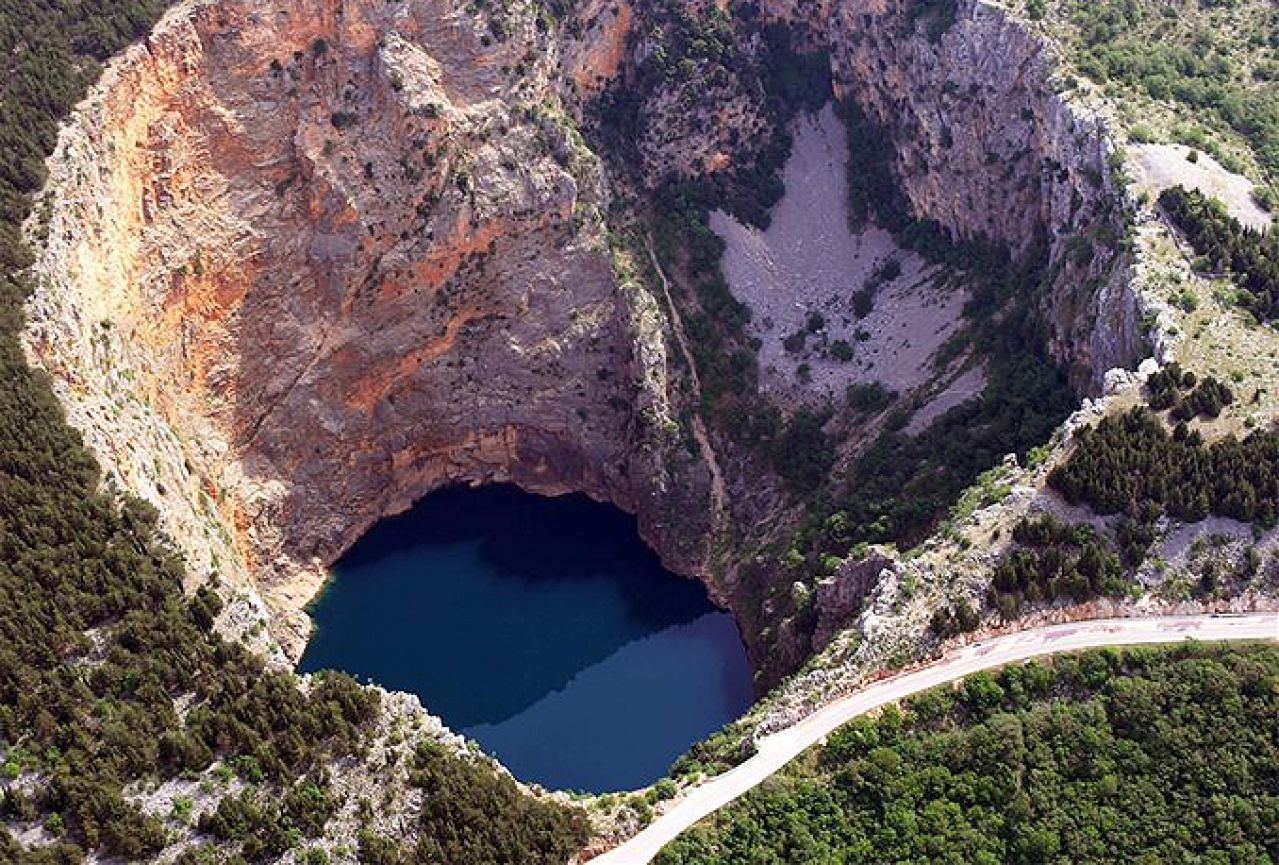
778 749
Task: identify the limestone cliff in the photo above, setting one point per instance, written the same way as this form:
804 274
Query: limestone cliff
310 260
986 145
984 142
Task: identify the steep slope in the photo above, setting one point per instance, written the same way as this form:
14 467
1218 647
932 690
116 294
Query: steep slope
306 265
983 144
960 140
303 268
301 263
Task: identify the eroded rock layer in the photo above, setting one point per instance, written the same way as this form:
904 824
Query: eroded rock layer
985 146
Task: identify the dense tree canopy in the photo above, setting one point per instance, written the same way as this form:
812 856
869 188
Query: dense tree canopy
1225 245
1128 463
1182 392
1149 755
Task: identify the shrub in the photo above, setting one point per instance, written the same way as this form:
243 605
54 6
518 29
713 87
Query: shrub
869 398
841 350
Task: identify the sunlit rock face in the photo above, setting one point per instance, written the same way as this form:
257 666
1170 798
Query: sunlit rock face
985 146
310 260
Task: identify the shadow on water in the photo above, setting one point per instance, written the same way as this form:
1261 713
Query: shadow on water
528 539
544 628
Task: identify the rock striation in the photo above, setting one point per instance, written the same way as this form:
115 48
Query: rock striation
987 145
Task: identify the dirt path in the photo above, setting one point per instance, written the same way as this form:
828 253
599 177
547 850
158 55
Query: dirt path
718 494
778 749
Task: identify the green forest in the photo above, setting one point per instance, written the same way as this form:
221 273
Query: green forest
1223 245
82 717
1132 464
904 483
1136 756
1144 756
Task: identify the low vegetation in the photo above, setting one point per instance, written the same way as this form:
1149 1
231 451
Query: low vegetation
1215 61
790 81
904 482
1143 755
99 644
706 46
869 398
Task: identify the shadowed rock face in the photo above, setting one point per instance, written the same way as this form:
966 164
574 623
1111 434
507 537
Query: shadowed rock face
350 253
986 147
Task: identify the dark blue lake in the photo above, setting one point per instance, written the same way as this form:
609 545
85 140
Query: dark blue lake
542 628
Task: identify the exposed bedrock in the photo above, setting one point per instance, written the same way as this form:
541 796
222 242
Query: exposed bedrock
987 147
310 260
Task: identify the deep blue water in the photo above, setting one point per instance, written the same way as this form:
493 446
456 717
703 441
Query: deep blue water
542 628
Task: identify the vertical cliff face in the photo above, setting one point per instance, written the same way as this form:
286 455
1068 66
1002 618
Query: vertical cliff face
310 260
987 147
983 143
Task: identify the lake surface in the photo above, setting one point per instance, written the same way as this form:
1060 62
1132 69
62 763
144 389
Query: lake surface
542 628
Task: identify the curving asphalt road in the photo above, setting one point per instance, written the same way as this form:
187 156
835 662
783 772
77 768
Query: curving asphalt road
778 749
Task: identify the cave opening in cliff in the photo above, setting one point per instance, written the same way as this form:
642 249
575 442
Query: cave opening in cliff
542 628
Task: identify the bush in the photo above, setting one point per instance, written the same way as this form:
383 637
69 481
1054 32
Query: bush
1196 66
869 398
1266 198
1140 133
1054 561
803 453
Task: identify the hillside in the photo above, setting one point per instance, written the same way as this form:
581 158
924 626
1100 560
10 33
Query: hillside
1139 755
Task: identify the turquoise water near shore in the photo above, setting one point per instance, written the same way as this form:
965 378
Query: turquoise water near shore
542 628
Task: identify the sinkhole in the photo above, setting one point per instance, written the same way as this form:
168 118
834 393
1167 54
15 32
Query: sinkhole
543 628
